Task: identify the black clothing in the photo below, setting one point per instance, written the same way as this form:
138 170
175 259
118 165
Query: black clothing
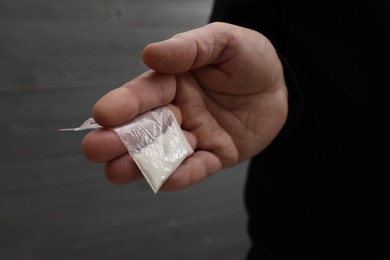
317 192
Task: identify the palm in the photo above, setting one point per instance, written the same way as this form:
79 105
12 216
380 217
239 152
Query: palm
232 113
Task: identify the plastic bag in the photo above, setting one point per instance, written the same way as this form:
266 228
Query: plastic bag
154 140
157 144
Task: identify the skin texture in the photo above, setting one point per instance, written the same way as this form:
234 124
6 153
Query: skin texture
224 84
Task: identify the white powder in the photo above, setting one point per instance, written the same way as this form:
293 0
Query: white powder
157 144
160 159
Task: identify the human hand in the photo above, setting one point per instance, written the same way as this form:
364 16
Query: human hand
224 84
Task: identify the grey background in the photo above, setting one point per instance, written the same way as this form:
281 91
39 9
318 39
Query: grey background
56 59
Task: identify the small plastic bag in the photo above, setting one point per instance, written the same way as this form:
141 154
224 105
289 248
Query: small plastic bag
154 140
157 144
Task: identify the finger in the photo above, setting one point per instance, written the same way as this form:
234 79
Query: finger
194 169
122 170
189 50
104 145
148 91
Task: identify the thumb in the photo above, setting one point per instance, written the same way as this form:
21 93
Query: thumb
188 50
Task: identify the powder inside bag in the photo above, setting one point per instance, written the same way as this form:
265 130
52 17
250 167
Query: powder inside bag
156 143
159 159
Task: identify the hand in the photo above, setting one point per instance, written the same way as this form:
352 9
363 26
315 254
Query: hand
224 84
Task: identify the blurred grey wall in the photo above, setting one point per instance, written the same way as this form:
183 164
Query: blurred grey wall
56 59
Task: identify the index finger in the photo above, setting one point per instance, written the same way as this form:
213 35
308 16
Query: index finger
149 90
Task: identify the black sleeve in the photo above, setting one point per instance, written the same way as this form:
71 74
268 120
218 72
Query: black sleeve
296 103
317 190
